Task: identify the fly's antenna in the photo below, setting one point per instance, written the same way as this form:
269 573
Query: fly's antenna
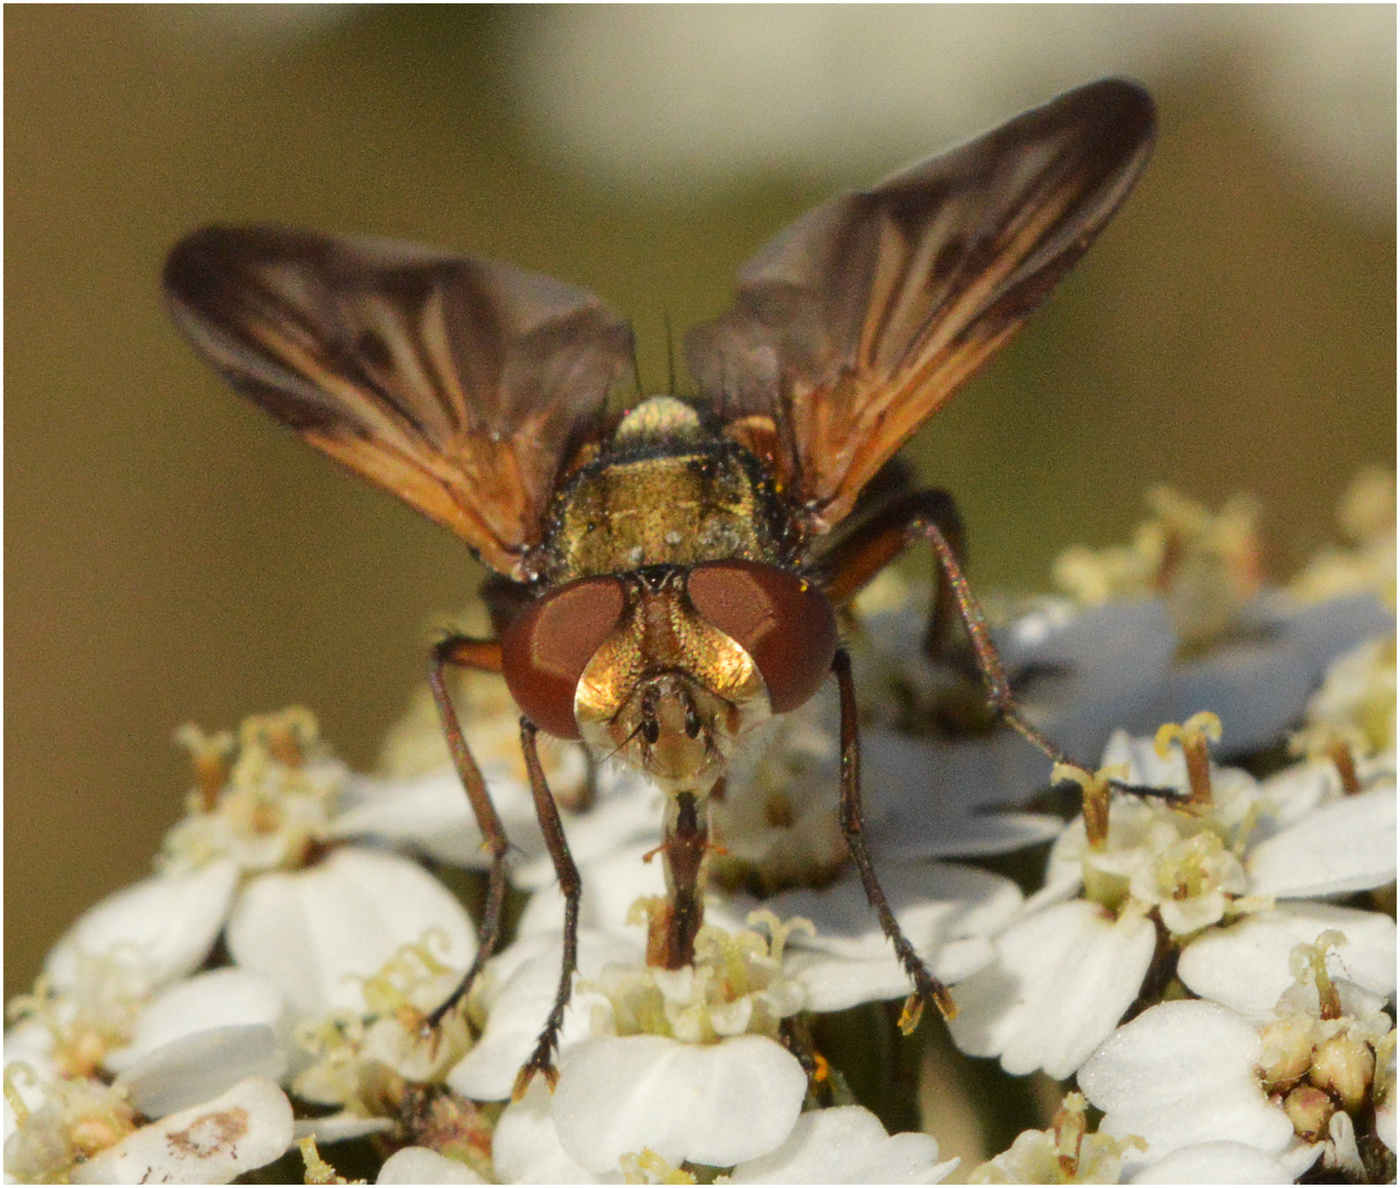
670 355
617 750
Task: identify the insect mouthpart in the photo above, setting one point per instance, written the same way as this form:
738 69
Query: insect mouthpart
680 733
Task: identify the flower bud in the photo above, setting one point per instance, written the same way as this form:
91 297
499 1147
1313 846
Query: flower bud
1344 1067
1309 1109
1287 1052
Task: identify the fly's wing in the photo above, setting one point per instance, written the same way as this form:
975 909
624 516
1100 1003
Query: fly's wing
460 385
861 318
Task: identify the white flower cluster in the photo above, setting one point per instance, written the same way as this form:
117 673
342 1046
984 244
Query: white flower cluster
269 986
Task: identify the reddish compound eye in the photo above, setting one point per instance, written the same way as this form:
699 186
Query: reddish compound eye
548 645
786 624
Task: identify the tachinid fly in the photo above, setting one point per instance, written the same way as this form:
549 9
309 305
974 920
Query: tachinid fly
668 578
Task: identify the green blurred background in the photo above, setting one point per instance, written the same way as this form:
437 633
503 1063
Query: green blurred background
171 555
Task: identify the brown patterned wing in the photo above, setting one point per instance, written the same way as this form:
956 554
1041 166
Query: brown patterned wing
861 318
460 385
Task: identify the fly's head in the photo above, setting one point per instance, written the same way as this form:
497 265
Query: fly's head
672 726
667 668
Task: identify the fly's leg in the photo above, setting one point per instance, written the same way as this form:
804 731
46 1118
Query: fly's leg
852 817
879 540
462 651
850 565
930 516
542 1059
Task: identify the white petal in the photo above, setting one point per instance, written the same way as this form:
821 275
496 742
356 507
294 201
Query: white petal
1348 845
1120 668
519 995
217 998
1329 630
1227 1163
420 1165
963 775
1064 869
611 885
198 1067
1183 1073
934 903
1145 766
1383 1094
1296 1158
430 812
169 922
847 1145
337 1128
1258 688
911 834
718 1104
1061 982
1246 966
1385 1122
311 930
1293 793
525 1146
246 1128
629 812
1344 1155
838 983
903 778
1109 662
1183 916
908 815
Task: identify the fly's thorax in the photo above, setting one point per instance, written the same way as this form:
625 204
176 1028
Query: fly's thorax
664 491
667 691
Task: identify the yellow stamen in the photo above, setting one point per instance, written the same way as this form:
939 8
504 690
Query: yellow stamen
1195 736
1097 796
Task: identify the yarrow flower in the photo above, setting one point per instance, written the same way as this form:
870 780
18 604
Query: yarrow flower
1211 954
686 1063
1066 1153
1195 1074
89 1133
1136 884
1176 884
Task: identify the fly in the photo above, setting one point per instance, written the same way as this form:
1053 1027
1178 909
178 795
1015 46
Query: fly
667 579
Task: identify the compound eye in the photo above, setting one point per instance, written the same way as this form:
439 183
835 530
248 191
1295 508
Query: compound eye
548 645
786 624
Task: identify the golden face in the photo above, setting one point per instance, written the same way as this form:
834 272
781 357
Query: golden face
668 691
